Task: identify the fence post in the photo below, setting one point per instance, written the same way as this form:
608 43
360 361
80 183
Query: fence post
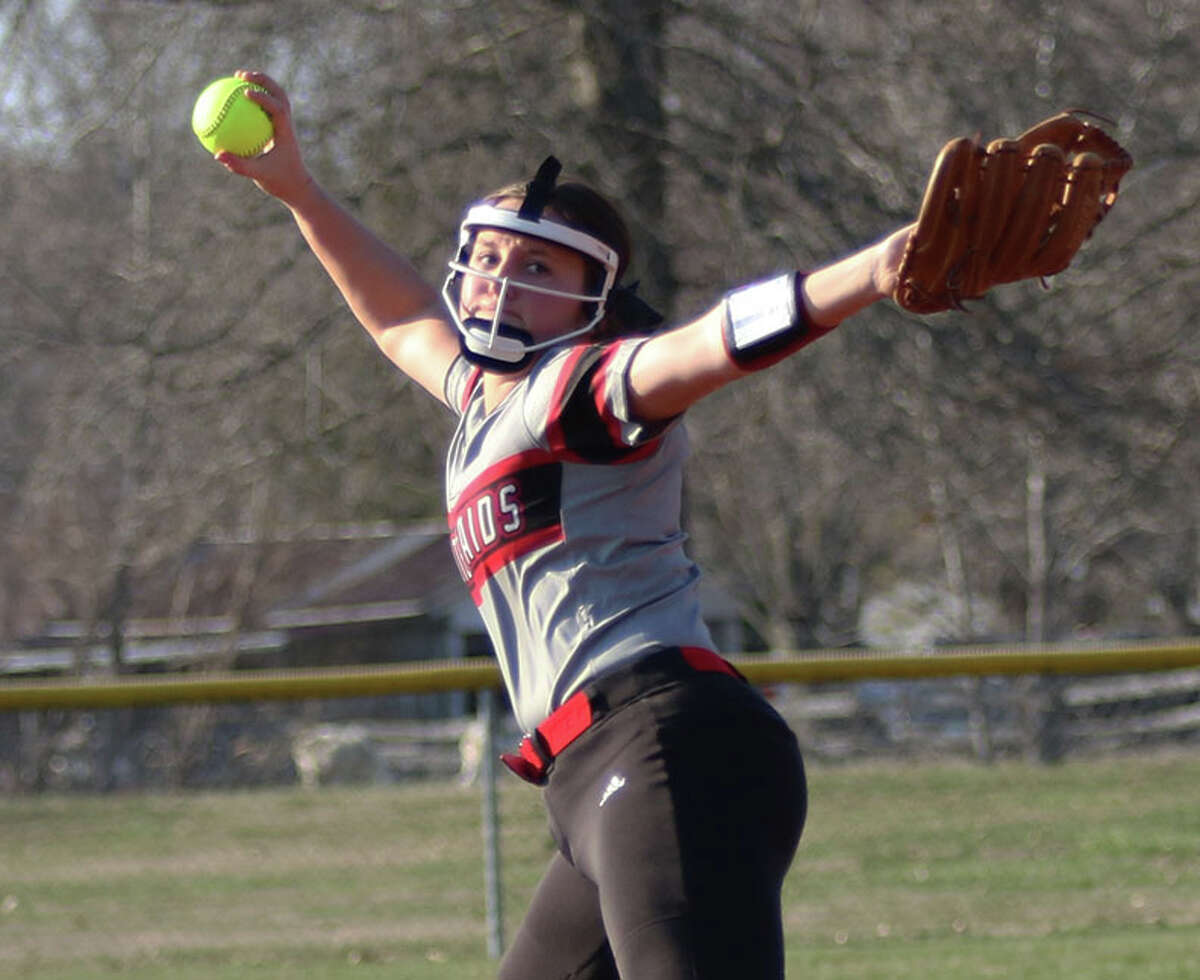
493 892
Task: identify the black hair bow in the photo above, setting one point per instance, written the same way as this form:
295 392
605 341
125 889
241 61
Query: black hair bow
630 310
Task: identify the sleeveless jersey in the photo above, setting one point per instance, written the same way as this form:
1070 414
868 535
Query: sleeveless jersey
564 516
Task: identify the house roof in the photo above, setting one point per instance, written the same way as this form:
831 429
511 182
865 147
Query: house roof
242 594
266 583
247 594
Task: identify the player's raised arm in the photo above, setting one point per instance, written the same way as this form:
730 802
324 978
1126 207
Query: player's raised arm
399 309
755 326
1015 209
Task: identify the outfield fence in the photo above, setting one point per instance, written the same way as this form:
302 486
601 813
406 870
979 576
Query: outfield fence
1119 670
422 677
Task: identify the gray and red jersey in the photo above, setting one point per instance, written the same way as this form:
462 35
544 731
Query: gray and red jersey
564 522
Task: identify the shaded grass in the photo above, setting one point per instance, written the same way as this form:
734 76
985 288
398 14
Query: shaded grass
931 870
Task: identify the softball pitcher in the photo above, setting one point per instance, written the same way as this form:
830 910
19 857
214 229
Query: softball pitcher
675 793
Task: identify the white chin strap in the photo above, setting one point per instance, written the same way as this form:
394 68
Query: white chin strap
497 340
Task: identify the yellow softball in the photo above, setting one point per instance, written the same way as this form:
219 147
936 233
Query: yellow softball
224 119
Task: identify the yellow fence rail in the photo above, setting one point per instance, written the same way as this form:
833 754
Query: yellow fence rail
810 667
422 677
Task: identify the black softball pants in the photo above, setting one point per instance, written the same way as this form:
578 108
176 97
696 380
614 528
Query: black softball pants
676 816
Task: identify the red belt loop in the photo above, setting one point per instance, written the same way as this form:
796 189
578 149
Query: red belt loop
575 715
566 724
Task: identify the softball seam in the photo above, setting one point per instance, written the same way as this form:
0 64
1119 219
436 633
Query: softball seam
224 111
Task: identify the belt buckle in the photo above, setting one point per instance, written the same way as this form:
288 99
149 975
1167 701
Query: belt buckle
531 762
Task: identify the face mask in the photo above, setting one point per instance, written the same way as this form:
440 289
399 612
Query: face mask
491 343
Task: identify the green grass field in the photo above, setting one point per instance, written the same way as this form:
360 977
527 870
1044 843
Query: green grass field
1090 869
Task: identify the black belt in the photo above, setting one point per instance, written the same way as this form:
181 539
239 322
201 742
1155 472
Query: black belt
574 716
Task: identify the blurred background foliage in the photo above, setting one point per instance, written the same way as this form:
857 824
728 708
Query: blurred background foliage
174 364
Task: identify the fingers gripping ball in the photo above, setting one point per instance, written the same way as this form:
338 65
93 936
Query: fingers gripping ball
224 119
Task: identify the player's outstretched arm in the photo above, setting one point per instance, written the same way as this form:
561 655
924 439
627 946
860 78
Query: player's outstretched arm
398 308
675 369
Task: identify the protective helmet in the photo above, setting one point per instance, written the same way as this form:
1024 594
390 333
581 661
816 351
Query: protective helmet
492 343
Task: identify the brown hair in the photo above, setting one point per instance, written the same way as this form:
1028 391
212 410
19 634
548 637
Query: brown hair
581 207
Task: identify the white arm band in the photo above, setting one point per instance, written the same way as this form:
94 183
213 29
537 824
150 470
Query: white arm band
765 321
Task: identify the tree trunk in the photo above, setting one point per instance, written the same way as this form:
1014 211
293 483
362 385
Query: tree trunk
620 82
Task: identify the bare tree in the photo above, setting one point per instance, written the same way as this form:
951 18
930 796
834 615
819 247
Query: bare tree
173 362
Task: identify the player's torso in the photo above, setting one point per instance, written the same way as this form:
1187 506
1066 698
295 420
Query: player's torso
568 541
